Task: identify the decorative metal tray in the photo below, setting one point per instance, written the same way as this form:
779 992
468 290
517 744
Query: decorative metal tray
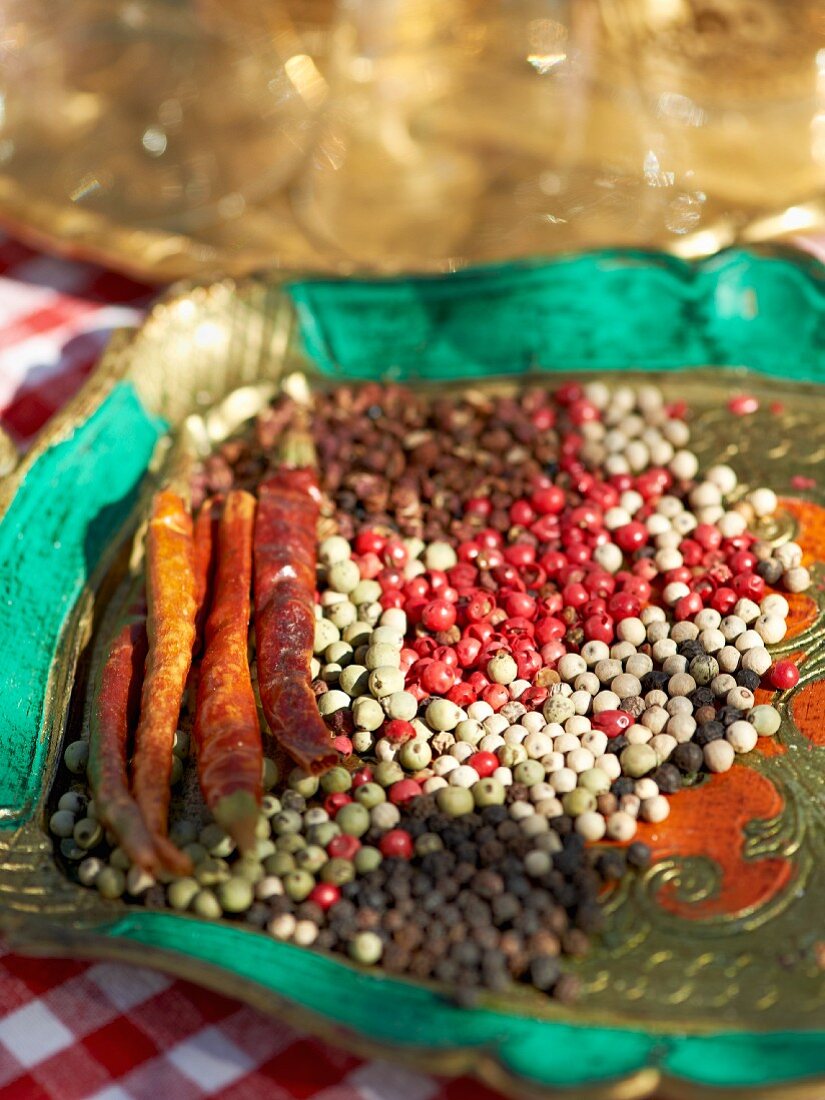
710 979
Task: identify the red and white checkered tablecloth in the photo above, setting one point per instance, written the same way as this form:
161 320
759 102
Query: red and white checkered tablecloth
74 1030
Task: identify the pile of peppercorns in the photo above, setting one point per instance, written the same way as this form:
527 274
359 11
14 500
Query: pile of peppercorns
537 620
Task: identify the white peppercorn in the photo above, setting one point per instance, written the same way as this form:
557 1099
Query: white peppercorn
621 826
742 736
645 788
655 809
719 755
757 660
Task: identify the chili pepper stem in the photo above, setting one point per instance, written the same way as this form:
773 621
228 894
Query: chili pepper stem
237 814
297 449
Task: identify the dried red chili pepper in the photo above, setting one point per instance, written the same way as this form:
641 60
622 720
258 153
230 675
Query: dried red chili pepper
115 705
170 595
227 731
284 584
206 539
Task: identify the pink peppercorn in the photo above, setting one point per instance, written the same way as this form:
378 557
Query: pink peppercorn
396 844
437 678
369 566
342 744
343 846
325 895
403 791
631 536
461 694
334 802
369 542
599 628
784 675
496 695
548 501
485 763
398 731
688 606
749 586
362 776
743 404
611 722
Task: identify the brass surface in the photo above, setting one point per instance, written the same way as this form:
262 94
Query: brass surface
417 138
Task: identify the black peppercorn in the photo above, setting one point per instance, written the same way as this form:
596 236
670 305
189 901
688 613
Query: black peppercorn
688 757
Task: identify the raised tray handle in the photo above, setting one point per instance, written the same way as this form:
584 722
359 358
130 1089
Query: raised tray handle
63 508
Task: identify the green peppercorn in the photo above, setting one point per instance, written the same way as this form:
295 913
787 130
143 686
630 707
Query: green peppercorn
415 755
183 832
281 863
119 859
235 895
262 829
638 760
355 681
196 852
89 869
388 772
312 859
367 859
323 833
211 871
248 868
367 713
111 882
455 801
181 892
366 948
290 842
385 680
216 841
595 780
298 884
369 795
287 821
336 781
74 802
338 871
529 772
428 843
271 774
509 756
176 773
71 850
765 719
304 784
180 746
264 847
488 792
87 833
61 823
578 801
205 904
353 819
76 757
357 633
270 805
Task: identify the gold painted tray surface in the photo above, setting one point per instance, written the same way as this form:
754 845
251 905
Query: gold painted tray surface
205 360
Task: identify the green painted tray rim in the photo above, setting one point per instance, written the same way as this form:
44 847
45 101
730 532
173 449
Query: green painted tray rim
527 1056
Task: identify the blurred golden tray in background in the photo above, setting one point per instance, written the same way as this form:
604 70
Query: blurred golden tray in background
223 136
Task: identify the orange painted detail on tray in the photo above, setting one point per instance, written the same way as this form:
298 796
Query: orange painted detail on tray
709 821
810 518
803 611
770 746
808 709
